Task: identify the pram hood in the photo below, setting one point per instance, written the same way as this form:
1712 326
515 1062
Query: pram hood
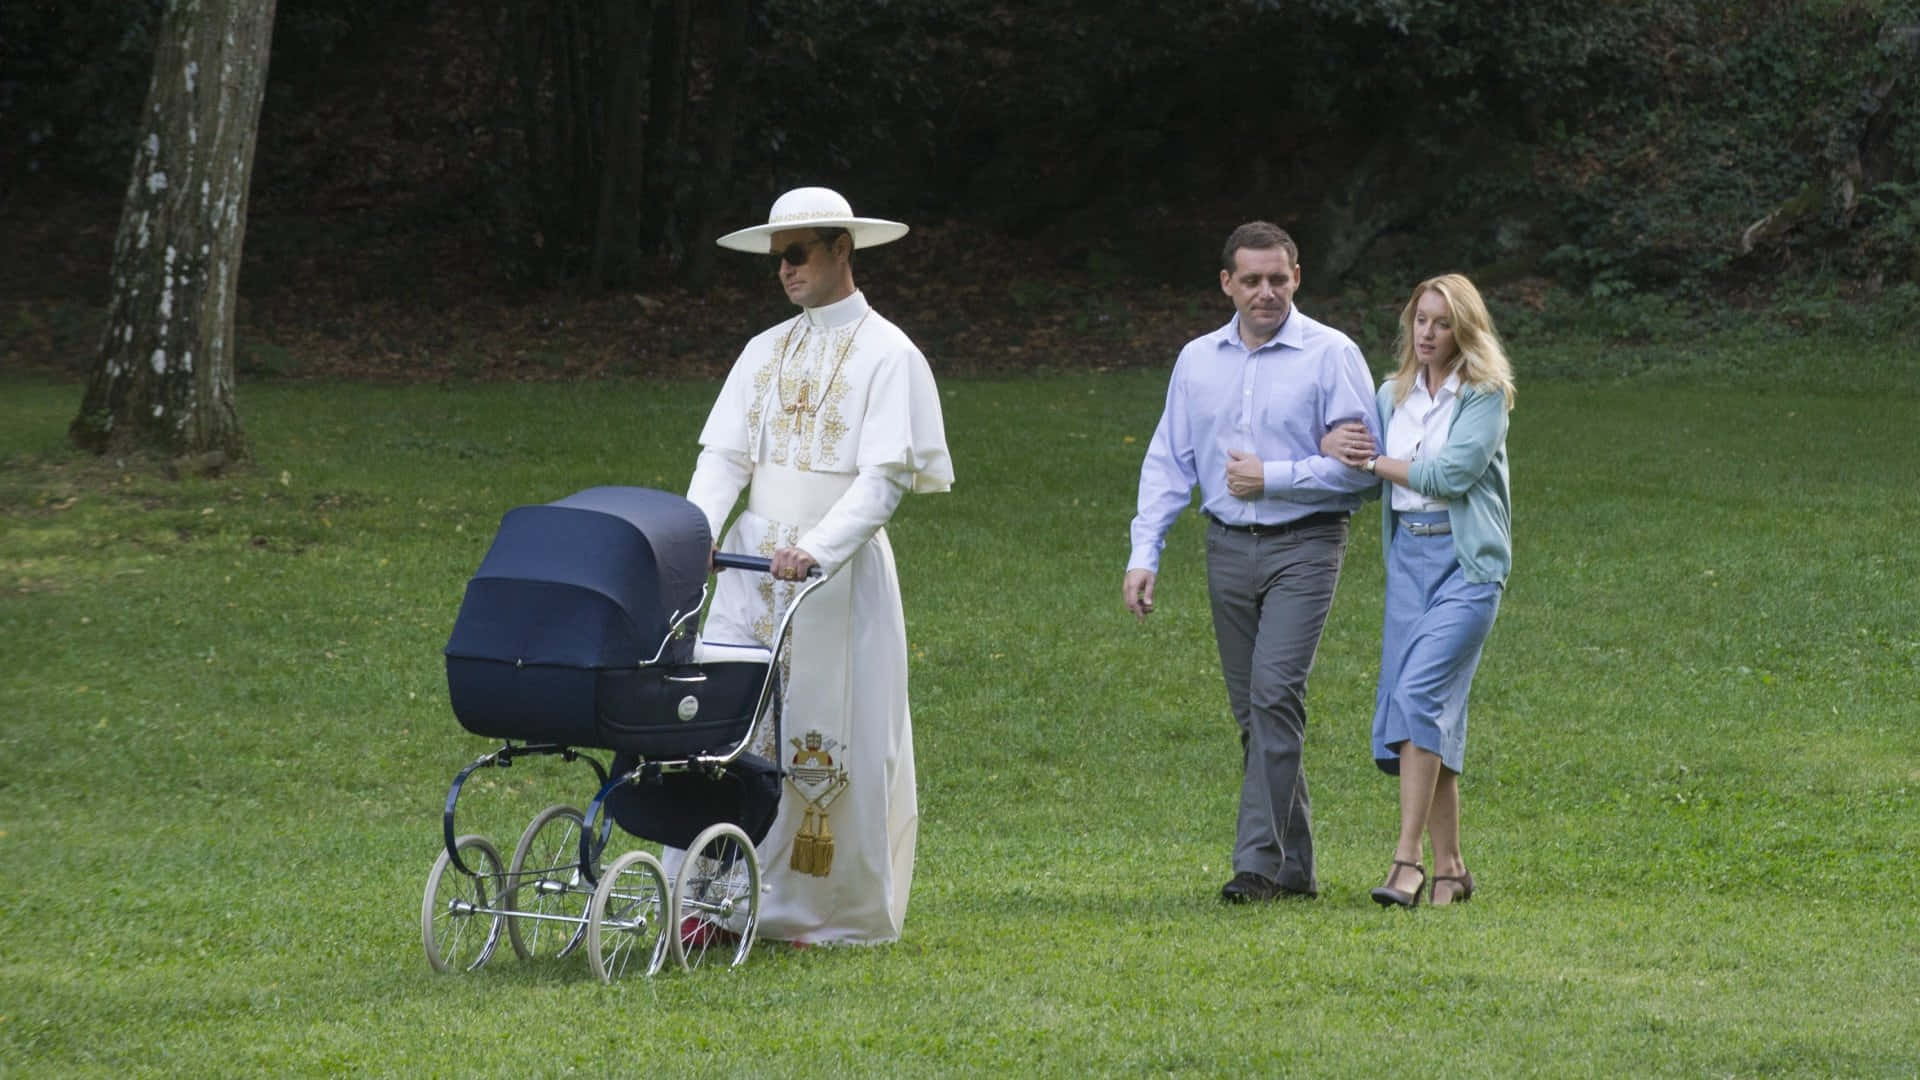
591 581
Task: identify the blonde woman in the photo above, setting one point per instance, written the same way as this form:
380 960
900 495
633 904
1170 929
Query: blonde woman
1446 530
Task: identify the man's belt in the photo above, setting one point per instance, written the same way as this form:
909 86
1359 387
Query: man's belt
1322 517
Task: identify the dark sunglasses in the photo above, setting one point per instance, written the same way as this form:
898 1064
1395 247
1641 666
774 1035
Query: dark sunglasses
796 253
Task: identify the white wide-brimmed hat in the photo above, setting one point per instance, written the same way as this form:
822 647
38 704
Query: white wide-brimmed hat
813 208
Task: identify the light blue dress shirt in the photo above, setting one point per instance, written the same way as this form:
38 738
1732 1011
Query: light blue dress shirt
1275 401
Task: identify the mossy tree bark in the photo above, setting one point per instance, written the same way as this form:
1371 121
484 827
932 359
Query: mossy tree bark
163 381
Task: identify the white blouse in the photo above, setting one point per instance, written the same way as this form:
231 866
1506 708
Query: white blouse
1418 428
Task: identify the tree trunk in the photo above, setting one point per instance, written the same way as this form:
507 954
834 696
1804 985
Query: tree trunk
572 149
164 378
623 117
711 194
530 221
1853 144
666 119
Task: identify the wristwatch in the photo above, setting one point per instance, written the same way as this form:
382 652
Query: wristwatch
1369 465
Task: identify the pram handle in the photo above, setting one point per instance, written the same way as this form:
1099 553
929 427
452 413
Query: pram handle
726 561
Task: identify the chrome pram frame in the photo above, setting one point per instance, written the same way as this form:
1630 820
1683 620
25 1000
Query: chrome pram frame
636 913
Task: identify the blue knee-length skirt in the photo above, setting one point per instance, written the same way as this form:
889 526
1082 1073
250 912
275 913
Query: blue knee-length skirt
1436 624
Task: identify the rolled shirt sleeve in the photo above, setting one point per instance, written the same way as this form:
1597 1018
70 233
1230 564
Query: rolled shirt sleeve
1167 476
1346 393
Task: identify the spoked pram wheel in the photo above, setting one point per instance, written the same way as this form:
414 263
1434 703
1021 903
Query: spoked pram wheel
716 898
627 917
549 892
459 920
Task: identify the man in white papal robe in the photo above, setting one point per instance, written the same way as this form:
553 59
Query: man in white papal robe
826 421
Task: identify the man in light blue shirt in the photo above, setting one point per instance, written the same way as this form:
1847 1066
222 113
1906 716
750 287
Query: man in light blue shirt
1245 411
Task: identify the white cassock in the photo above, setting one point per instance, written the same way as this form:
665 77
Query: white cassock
827 420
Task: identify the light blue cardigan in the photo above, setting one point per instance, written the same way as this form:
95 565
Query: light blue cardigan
1470 473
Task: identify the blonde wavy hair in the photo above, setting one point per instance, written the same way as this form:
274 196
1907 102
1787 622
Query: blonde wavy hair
1480 359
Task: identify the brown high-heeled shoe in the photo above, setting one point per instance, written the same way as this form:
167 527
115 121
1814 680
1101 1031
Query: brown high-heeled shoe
1387 897
1459 889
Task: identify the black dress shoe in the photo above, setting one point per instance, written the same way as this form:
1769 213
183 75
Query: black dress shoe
1249 887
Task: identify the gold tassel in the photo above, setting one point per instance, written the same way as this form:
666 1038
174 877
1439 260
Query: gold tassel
803 843
823 849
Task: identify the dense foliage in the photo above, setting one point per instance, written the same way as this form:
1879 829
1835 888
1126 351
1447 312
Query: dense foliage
1645 144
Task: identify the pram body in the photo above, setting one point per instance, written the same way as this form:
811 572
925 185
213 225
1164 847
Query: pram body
578 634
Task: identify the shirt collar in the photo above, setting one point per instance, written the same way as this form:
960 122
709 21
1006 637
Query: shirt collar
1448 385
840 312
1292 332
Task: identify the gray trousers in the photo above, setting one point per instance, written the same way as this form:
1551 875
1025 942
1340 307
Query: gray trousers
1270 595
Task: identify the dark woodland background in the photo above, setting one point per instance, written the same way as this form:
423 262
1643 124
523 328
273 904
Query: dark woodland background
481 188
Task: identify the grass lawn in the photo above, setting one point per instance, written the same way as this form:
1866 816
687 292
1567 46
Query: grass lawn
1691 799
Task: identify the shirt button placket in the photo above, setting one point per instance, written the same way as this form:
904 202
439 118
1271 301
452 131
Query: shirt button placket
1246 397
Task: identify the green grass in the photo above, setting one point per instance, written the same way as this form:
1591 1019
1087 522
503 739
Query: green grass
1691 797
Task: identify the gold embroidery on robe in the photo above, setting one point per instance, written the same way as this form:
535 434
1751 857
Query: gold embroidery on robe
806 377
815 778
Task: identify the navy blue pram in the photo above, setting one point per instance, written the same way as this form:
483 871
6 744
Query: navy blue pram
578 630
578 634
